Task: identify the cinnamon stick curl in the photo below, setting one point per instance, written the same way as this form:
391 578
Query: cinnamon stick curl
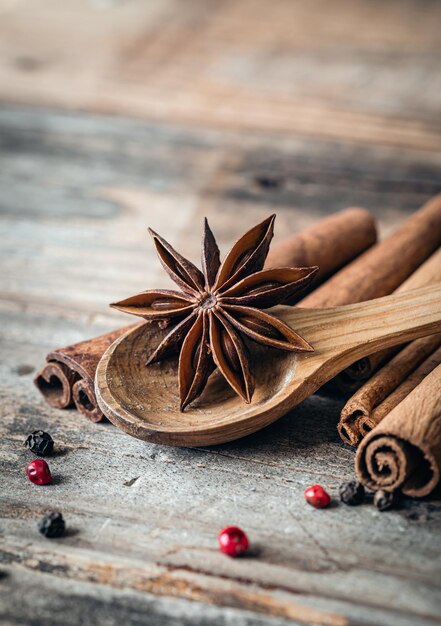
404 450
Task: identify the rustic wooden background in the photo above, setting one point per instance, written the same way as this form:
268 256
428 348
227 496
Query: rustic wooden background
116 115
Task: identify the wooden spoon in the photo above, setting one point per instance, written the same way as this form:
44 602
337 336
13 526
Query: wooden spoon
144 401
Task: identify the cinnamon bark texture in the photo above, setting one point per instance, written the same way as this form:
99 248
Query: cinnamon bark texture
382 268
330 244
357 411
360 408
68 376
404 450
427 274
366 424
55 381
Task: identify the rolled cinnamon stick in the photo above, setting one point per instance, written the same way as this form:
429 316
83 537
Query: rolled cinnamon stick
367 423
330 243
427 274
404 450
381 385
381 269
68 376
55 381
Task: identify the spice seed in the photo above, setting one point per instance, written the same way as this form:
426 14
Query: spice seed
317 497
52 525
385 500
40 443
38 472
253 323
230 352
233 541
352 493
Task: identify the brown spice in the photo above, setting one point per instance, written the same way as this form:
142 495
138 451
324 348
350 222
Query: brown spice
427 274
380 270
367 423
404 450
220 305
385 500
331 243
55 381
68 376
360 407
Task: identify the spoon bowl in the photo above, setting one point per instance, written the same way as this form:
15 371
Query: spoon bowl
144 401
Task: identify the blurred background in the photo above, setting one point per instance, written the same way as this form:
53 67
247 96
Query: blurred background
121 114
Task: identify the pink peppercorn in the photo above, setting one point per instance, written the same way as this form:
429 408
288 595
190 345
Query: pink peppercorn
233 541
38 472
317 497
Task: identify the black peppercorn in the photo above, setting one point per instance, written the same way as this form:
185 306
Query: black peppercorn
40 443
385 500
52 525
351 493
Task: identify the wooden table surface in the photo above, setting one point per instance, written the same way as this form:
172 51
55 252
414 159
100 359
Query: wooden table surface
118 115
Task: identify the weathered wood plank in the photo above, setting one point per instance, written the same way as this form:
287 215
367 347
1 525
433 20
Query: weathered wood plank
65 602
355 71
169 515
135 170
77 194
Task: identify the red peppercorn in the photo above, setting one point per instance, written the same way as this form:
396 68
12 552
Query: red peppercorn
38 472
316 496
233 541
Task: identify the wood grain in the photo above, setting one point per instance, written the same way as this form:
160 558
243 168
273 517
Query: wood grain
88 187
242 108
341 70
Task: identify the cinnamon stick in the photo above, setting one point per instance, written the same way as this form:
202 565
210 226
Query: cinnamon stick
404 450
427 274
55 381
381 385
68 377
368 423
331 243
381 269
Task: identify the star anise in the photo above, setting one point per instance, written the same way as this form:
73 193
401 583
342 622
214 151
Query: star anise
217 307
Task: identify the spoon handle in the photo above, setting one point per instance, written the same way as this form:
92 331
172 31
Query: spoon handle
364 328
